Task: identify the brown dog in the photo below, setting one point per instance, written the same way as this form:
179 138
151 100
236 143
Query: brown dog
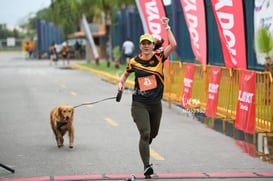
61 120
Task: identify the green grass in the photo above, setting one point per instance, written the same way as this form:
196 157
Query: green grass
11 50
111 70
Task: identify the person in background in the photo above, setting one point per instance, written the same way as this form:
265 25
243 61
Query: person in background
66 53
146 108
29 50
78 50
26 50
53 53
128 49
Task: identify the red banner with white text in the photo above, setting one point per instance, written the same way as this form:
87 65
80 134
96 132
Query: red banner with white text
230 22
213 91
150 12
245 113
194 13
188 79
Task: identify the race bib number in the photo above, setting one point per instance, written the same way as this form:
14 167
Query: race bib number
147 83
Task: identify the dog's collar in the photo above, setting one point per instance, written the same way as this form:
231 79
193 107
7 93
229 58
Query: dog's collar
61 124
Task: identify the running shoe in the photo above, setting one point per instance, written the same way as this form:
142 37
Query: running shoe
148 171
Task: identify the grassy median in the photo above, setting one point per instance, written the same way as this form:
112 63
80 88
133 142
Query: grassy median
111 70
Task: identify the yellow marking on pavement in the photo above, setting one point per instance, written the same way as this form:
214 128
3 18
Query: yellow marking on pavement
110 121
155 155
89 105
73 93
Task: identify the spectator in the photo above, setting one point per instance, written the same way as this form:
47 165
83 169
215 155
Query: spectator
29 50
78 48
53 54
66 53
128 49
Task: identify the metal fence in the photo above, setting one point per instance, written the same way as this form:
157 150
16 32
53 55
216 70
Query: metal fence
228 93
15 44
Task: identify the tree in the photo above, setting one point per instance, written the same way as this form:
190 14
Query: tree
265 45
5 32
67 15
106 7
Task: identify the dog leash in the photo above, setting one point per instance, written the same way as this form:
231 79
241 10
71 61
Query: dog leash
89 103
118 97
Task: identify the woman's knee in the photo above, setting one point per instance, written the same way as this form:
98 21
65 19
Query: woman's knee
145 136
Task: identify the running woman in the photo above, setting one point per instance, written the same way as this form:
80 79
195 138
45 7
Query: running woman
146 108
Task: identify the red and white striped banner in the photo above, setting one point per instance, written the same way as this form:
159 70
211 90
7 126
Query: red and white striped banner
194 13
230 22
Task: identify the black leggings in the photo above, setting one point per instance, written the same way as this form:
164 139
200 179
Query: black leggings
147 117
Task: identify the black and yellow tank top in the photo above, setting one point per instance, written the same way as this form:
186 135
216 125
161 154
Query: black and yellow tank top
149 78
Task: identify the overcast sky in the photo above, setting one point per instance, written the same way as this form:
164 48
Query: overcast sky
13 12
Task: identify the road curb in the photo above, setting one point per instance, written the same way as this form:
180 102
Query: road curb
105 76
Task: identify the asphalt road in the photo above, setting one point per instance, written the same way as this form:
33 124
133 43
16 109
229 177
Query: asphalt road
106 138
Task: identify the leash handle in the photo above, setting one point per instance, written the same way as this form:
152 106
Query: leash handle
118 97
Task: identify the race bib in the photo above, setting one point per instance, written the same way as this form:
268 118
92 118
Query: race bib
147 83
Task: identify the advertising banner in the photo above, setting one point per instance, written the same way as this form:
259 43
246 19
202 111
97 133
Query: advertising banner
188 79
230 22
263 17
245 113
213 91
150 12
194 13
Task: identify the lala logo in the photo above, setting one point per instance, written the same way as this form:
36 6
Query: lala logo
187 82
245 99
213 88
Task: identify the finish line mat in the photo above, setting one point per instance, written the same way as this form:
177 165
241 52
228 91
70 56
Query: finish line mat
156 176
